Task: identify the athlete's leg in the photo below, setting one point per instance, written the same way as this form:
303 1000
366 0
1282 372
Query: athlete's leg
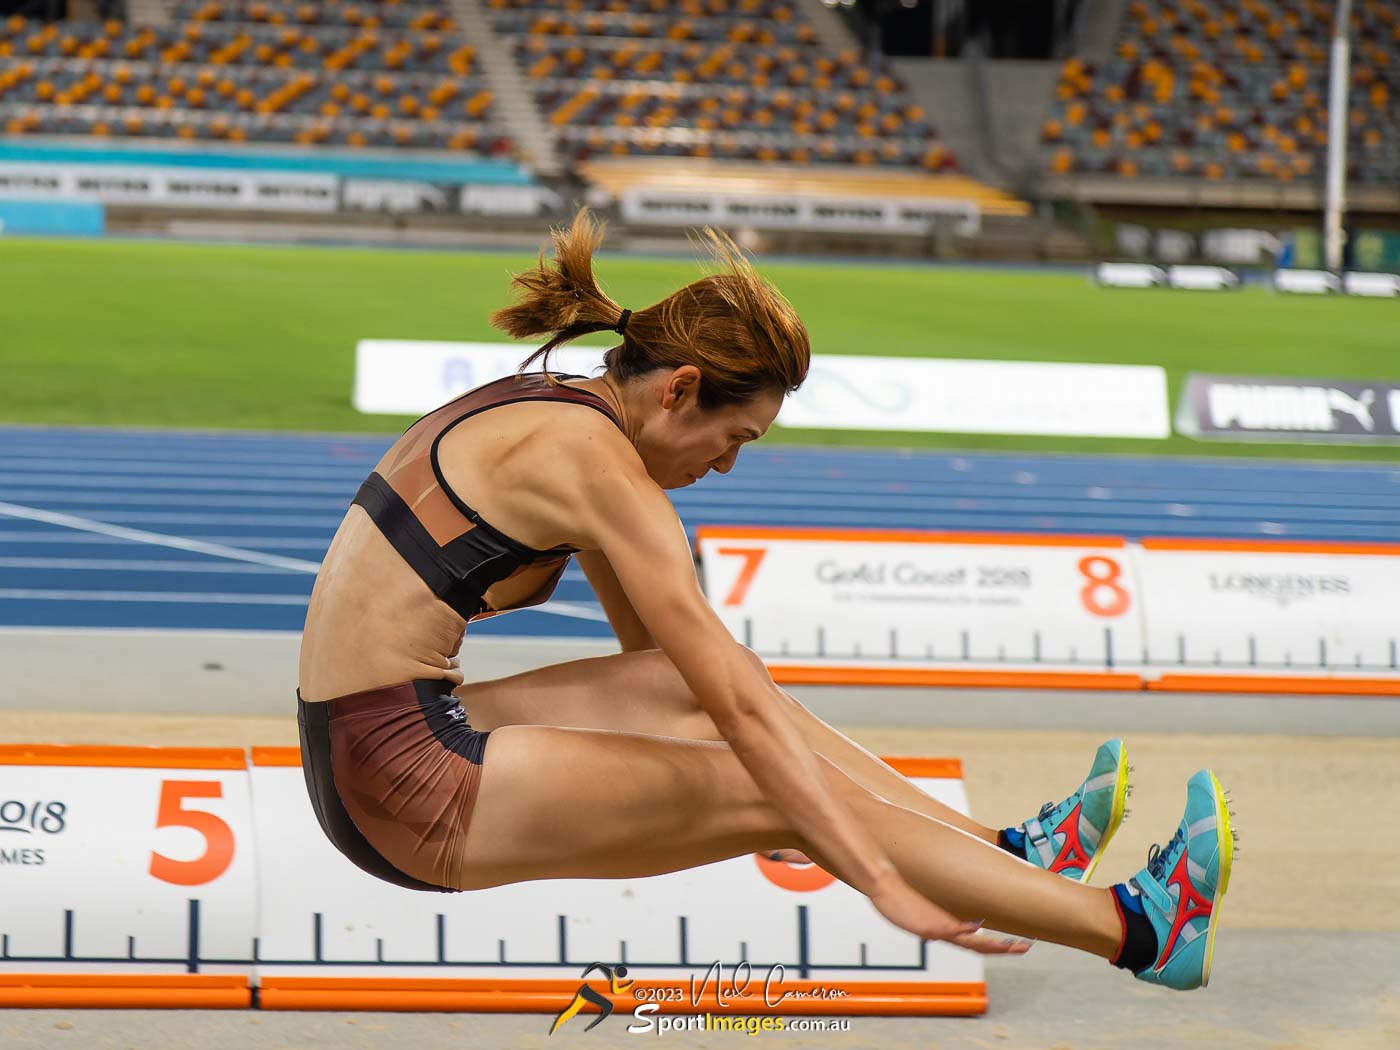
643 692
559 802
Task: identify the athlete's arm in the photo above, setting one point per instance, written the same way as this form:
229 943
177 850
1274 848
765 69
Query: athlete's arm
592 492
631 633
618 509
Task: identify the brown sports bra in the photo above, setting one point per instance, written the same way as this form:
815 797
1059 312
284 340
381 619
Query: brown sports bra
457 553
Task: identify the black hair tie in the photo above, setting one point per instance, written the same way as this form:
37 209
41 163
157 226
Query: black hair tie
621 325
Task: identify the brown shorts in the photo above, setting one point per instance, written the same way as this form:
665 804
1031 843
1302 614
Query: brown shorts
393 775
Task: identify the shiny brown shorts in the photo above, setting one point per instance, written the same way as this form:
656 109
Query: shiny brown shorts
393 775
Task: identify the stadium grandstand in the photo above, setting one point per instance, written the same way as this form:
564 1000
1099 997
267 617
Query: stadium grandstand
1227 89
1018 377
918 128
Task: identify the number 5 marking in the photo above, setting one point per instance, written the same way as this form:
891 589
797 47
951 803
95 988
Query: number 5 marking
218 836
752 557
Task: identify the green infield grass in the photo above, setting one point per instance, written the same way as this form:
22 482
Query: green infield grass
194 335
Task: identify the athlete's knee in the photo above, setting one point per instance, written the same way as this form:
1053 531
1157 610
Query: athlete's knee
756 661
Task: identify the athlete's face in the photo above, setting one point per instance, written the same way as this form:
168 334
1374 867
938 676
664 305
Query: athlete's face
685 442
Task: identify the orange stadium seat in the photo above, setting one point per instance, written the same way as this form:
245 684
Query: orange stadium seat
1239 87
753 58
302 66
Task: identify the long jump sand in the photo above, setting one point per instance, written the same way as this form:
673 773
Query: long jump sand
1308 954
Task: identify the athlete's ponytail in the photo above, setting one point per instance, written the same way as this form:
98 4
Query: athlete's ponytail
564 300
737 329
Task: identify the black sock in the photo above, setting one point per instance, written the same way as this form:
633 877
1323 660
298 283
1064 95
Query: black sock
1139 949
1013 840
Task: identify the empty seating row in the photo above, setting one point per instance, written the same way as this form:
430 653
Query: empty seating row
1229 88
402 80
740 79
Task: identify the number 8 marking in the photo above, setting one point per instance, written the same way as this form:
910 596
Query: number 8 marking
1102 575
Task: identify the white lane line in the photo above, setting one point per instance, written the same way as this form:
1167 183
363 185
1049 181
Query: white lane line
572 574
68 466
151 596
577 610
252 457
134 565
127 481
188 567
329 524
217 550
177 499
573 610
23 536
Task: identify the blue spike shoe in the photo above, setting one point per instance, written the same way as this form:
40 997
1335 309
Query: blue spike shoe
1183 884
1069 839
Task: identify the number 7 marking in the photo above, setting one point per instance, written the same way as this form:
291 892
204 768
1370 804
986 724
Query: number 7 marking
752 557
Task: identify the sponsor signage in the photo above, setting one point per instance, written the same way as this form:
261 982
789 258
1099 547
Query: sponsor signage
915 216
841 392
1277 609
873 607
174 187
396 196
125 860
1233 408
920 602
980 397
413 377
510 200
211 868
254 190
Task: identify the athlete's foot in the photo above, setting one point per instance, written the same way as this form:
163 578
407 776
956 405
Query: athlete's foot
1170 909
1069 838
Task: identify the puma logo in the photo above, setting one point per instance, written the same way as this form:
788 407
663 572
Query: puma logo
1359 408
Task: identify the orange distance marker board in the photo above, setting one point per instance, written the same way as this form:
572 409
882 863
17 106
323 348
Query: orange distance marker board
880 607
127 877
332 937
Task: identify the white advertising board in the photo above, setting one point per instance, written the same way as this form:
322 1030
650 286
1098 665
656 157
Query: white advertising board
865 600
908 216
1278 608
145 876
841 392
140 866
853 392
184 187
412 377
324 917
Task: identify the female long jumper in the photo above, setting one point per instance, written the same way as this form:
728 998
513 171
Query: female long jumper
475 510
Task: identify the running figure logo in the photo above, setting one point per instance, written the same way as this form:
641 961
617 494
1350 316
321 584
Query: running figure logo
618 982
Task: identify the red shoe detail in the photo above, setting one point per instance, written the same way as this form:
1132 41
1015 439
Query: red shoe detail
1072 853
1189 905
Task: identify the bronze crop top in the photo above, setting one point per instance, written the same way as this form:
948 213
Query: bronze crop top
457 553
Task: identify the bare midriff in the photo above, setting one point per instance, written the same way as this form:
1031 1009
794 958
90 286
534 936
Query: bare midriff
372 621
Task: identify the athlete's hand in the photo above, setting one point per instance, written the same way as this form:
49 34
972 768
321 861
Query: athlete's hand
910 910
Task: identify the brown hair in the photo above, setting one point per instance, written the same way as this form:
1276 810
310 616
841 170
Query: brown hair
735 327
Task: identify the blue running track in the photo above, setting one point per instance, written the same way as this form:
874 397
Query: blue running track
179 529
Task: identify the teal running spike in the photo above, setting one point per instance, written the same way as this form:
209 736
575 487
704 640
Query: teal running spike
1183 884
1069 839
